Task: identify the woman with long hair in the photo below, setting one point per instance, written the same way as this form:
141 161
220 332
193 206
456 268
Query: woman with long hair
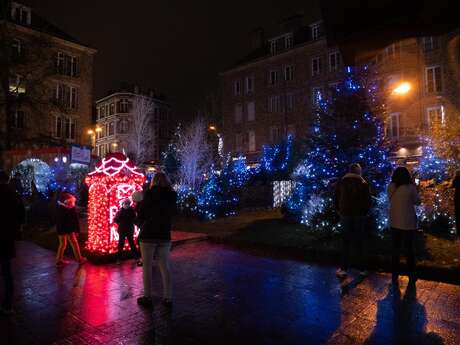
403 196
154 218
67 226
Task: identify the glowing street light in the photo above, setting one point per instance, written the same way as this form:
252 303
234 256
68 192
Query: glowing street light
402 88
212 128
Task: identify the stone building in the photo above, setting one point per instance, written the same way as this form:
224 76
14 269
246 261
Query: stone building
271 92
115 119
50 87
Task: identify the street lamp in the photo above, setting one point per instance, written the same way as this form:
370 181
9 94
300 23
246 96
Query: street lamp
92 132
402 88
212 128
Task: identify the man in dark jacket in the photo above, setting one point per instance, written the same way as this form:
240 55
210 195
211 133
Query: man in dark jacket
352 202
12 215
125 219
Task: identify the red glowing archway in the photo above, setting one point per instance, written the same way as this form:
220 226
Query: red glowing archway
114 179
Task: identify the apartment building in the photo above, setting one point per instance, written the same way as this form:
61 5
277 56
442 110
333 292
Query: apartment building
50 87
115 119
272 92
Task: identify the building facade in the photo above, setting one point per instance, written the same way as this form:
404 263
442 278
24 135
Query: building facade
50 86
115 119
272 93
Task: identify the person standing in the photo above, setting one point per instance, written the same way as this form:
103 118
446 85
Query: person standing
67 227
125 219
403 197
353 202
155 216
456 185
12 215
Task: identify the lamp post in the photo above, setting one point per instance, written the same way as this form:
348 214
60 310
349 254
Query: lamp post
92 133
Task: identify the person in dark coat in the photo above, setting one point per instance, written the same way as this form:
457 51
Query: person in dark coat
352 202
456 185
125 219
12 215
155 216
67 226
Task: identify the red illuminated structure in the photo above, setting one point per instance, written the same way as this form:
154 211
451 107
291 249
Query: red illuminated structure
114 179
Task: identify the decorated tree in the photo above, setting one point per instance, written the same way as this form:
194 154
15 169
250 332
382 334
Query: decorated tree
347 128
277 161
170 157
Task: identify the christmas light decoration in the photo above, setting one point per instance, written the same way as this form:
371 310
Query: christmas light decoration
114 179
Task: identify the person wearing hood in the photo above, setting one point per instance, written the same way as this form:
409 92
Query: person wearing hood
67 226
352 202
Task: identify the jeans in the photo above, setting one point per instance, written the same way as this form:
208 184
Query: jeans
8 282
121 244
353 235
160 251
408 237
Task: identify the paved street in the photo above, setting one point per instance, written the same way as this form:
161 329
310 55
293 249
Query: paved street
223 296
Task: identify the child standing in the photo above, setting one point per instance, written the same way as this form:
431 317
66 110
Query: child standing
67 226
125 219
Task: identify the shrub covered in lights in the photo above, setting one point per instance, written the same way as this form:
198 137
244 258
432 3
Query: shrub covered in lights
346 128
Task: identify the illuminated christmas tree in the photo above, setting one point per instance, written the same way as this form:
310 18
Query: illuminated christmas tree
347 128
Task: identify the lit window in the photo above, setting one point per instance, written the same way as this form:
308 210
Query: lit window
435 115
17 84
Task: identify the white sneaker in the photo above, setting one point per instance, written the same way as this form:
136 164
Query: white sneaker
340 273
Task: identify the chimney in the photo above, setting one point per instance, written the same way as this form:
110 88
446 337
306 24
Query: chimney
257 38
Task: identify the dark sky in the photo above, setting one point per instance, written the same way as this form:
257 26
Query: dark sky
176 47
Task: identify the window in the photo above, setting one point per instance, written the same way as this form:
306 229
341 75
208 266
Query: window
289 102
288 72
251 109
274 134
273 47
238 113
251 141
288 41
16 49
18 119
21 14
317 95
17 84
123 126
435 115
273 77
112 108
334 61
249 84
65 127
433 79
237 88
393 126
239 142
68 96
123 106
392 50
291 130
67 65
274 104
315 66
430 43
111 128
315 31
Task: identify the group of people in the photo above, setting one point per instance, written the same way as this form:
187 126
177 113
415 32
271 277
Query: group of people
353 202
154 210
152 214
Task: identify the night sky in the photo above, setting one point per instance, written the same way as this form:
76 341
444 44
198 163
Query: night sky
175 47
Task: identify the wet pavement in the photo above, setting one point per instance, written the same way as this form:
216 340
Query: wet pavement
223 296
